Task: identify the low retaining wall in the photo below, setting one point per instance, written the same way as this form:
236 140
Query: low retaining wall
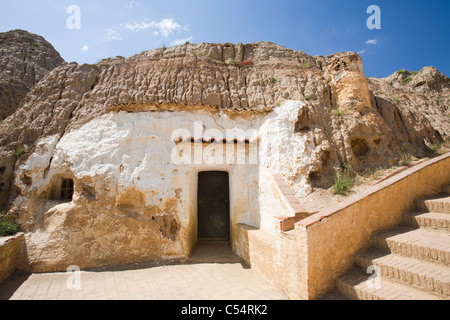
10 253
275 257
305 262
334 235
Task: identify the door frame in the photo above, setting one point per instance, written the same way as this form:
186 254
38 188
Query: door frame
197 173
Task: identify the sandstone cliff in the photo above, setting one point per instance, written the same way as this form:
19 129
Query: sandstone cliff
25 58
107 127
353 120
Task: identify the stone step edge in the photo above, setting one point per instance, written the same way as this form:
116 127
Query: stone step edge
440 203
437 281
355 285
438 221
435 254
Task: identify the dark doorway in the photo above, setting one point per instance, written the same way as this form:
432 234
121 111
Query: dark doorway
213 203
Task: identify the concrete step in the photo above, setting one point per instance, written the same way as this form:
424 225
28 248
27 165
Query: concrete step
422 275
429 220
426 245
438 204
357 285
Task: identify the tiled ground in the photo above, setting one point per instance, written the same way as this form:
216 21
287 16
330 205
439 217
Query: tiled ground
213 272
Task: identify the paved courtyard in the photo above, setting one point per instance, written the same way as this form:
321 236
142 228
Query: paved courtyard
213 272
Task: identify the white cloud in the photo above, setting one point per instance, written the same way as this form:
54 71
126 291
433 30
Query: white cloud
85 48
372 41
362 51
178 42
165 27
112 35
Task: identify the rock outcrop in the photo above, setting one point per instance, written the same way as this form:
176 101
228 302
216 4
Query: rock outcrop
98 124
25 58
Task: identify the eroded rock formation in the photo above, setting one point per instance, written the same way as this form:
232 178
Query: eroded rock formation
107 127
25 58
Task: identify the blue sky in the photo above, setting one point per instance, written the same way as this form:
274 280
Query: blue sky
413 33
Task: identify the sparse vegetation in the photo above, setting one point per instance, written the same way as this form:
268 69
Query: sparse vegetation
345 166
396 99
9 216
234 61
34 45
414 72
373 173
380 92
338 112
187 42
343 183
306 65
19 152
401 71
308 97
438 148
164 48
405 81
272 79
8 229
405 159
5 91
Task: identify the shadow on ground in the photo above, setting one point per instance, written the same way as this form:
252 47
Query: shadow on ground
10 285
203 252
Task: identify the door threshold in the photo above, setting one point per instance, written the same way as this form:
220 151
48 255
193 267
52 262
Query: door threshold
213 241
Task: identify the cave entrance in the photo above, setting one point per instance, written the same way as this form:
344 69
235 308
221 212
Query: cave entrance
213 203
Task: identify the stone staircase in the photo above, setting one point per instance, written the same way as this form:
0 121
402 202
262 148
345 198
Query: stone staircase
409 262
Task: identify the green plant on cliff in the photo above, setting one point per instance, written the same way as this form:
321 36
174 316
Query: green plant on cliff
405 158
437 148
343 183
19 152
272 79
34 45
8 229
406 81
338 112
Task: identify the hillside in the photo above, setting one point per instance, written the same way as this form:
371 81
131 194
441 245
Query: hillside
25 58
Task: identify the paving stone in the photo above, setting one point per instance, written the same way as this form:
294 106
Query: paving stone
223 278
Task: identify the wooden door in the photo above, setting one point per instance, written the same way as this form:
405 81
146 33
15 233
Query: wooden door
213 206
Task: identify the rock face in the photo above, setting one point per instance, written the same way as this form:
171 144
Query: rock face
25 59
112 129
